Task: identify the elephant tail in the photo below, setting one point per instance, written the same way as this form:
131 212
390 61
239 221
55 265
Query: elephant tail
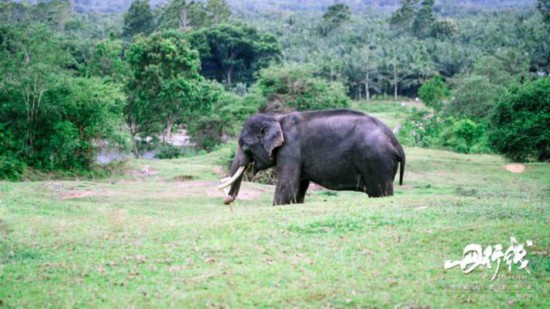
402 160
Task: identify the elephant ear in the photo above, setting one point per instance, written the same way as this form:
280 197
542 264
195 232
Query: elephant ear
272 136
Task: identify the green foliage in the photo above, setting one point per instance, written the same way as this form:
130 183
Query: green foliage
474 97
462 135
294 87
138 19
224 120
420 129
218 11
336 15
424 20
55 13
51 119
503 68
233 53
433 92
166 85
107 61
445 28
519 124
404 17
193 15
12 167
544 8
168 151
182 15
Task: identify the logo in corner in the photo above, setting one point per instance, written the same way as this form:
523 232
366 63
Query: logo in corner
473 257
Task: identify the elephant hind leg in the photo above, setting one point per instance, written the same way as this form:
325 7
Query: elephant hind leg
376 183
304 184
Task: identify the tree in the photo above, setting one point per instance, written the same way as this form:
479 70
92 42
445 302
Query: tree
503 68
182 15
403 18
424 20
138 19
444 28
420 68
475 97
232 53
54 13
51 118
336 15
371 61
218 11
293 87
433 92
544 8
167 87
394 66
32 63
107 61
519 124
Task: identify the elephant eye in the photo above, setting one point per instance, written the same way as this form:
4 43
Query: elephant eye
262 133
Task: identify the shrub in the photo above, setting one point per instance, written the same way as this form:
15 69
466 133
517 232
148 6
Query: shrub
295 88
225 119
520 121
11 166
433 92
168 151
474 97
464 136
423 129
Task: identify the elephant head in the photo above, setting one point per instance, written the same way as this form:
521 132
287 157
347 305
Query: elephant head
259 139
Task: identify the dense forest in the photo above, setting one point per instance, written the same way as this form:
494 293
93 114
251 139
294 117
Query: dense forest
442 6
78 74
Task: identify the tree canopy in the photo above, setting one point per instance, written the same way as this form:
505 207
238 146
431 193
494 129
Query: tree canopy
232 53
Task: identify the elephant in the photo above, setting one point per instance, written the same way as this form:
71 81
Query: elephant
339 149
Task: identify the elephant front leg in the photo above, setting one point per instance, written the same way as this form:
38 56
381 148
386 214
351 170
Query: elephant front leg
288 191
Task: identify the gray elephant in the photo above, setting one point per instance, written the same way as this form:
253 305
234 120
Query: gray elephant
337 149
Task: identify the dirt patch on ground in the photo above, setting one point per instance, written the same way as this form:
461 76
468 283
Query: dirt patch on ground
515 168
77 194
145 171
165 190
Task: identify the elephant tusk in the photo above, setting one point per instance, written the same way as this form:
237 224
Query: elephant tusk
232 179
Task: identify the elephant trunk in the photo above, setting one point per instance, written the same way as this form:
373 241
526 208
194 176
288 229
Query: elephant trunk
240 163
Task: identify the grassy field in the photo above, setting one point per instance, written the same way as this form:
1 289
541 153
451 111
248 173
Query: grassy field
160 236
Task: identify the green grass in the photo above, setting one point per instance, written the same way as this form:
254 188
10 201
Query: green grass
150 239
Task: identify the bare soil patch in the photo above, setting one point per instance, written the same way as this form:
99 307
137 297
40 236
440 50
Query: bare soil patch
170 189
515 168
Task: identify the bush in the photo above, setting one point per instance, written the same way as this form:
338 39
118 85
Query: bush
422 129
293 87
225 119
433 92
168 151
520 121
464 136
474 97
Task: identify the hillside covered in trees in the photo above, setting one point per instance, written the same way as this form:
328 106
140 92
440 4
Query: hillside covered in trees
74 80
305 5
